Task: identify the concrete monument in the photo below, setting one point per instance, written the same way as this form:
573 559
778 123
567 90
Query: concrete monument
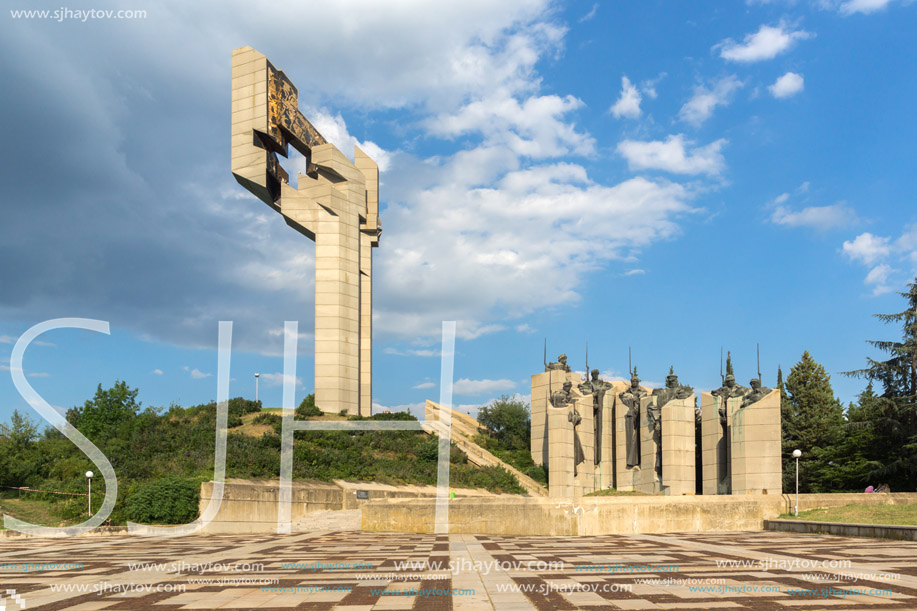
335 203
595 434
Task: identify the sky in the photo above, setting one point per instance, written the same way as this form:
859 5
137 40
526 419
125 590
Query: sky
668 178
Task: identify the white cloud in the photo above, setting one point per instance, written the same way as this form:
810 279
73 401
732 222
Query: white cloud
867 248
628 105
478 387
533 127
9 339
787 85
877 277
276 379
705 100
851 7
157 372
672 156
906 244
412 352
494 263
525 328
815 217
882 255
590 14
635 272
197 374
39 374
334 129
649 87
766 43
423 385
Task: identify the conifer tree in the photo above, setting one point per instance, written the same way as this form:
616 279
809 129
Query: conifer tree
893 414
812 422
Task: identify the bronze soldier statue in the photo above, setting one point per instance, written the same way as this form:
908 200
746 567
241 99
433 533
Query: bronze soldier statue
729 390
578 455
561 398
756 393
631 398
672 390
596 387
560 364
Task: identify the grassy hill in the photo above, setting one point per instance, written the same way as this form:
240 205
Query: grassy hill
160 453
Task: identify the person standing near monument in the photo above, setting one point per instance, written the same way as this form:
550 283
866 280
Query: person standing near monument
631 398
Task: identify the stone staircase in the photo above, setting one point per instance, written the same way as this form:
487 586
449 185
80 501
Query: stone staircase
463 430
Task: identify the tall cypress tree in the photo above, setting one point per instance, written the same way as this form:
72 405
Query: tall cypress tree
812 421
893 414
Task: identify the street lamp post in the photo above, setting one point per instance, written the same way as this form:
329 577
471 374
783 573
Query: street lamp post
257 375
796 455
89 495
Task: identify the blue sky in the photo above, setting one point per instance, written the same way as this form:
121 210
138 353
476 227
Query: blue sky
674 177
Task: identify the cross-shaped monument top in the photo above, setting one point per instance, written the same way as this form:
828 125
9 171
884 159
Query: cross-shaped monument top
336 203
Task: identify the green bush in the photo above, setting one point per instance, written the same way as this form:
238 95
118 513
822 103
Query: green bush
266 418
239 406
170 500
429 450
538 473
307 408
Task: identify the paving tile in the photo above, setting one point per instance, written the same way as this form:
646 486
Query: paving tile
602 572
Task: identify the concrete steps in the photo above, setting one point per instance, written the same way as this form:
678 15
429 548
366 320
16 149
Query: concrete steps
463 429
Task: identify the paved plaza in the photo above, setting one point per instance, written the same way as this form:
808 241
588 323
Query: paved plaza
358 571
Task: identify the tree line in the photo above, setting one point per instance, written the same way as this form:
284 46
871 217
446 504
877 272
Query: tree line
871 441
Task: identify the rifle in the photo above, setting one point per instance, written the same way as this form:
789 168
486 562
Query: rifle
722 377
587 362
759 363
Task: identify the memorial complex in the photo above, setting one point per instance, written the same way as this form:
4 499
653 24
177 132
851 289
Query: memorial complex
590 434
594 435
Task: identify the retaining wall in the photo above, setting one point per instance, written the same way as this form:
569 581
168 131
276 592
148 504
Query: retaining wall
604 515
